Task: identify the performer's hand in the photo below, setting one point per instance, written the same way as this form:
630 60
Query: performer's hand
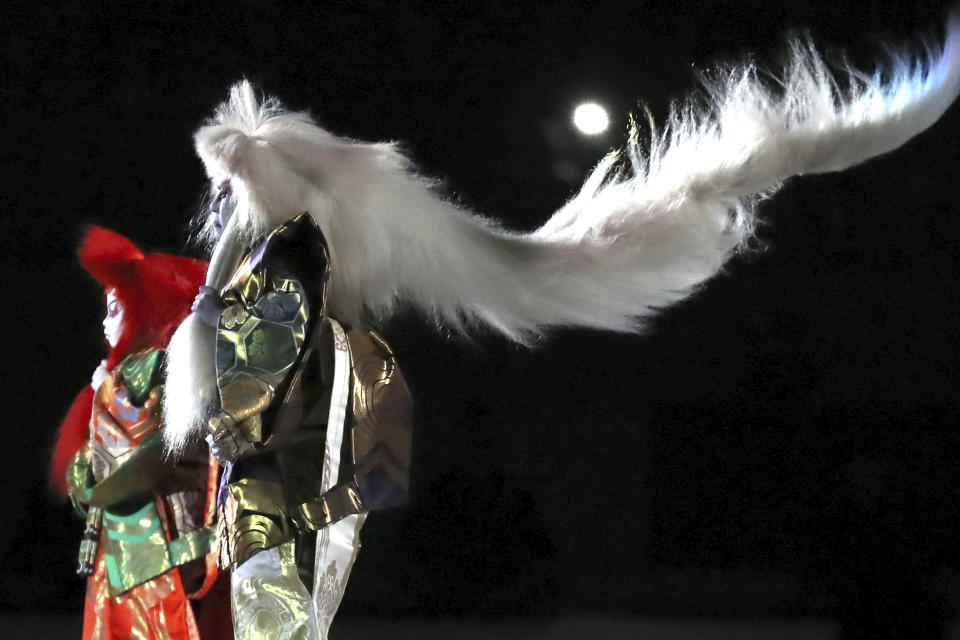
230 440
208 306
76 500
99 375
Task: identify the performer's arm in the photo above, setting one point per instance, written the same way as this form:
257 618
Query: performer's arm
80 479
271 350
208 306
238 431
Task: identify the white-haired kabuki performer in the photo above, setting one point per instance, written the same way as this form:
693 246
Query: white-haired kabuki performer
319 239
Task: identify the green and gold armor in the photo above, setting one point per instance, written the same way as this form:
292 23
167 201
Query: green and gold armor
275 365
273 302
315 419
118 475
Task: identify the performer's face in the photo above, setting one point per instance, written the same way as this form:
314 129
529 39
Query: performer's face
224 202
113 322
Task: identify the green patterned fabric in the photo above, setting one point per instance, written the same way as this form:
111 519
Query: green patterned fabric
191 546
80 479
138 371
136 549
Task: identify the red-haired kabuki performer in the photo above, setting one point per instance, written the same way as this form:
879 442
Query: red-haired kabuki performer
316 234
147 543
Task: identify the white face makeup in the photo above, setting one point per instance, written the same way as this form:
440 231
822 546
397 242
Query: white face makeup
113 322
222 206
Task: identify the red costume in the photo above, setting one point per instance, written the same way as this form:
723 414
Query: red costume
147 545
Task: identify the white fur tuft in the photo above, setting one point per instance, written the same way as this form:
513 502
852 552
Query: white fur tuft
190 390
190 394
631 242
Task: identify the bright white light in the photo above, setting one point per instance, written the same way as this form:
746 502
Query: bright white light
591 119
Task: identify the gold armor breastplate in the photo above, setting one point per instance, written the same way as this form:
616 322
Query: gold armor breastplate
262 329
125 411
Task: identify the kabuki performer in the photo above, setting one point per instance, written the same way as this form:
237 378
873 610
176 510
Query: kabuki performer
320 239
146 549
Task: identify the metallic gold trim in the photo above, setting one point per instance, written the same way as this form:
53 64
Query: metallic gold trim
80 478
245 396
338 503
252 520
381 401
135 548
191 546
140 473
381 422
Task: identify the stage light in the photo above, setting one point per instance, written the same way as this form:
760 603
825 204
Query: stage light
591 119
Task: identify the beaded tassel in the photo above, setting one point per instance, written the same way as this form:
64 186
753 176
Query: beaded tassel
89 542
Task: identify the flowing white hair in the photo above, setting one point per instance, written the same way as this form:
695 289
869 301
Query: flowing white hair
634 240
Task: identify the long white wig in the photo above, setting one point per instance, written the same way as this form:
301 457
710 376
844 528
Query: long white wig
635 239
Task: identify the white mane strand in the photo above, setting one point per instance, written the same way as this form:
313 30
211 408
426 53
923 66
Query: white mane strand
631 242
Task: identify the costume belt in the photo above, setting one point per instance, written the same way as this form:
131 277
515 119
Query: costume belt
135 547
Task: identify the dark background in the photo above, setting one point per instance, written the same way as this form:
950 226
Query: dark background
784 444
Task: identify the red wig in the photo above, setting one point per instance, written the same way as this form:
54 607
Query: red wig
155 292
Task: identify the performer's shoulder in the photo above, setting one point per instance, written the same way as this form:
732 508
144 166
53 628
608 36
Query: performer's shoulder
142 370
296 244
301 229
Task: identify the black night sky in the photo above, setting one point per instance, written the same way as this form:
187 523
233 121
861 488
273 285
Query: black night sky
782 445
